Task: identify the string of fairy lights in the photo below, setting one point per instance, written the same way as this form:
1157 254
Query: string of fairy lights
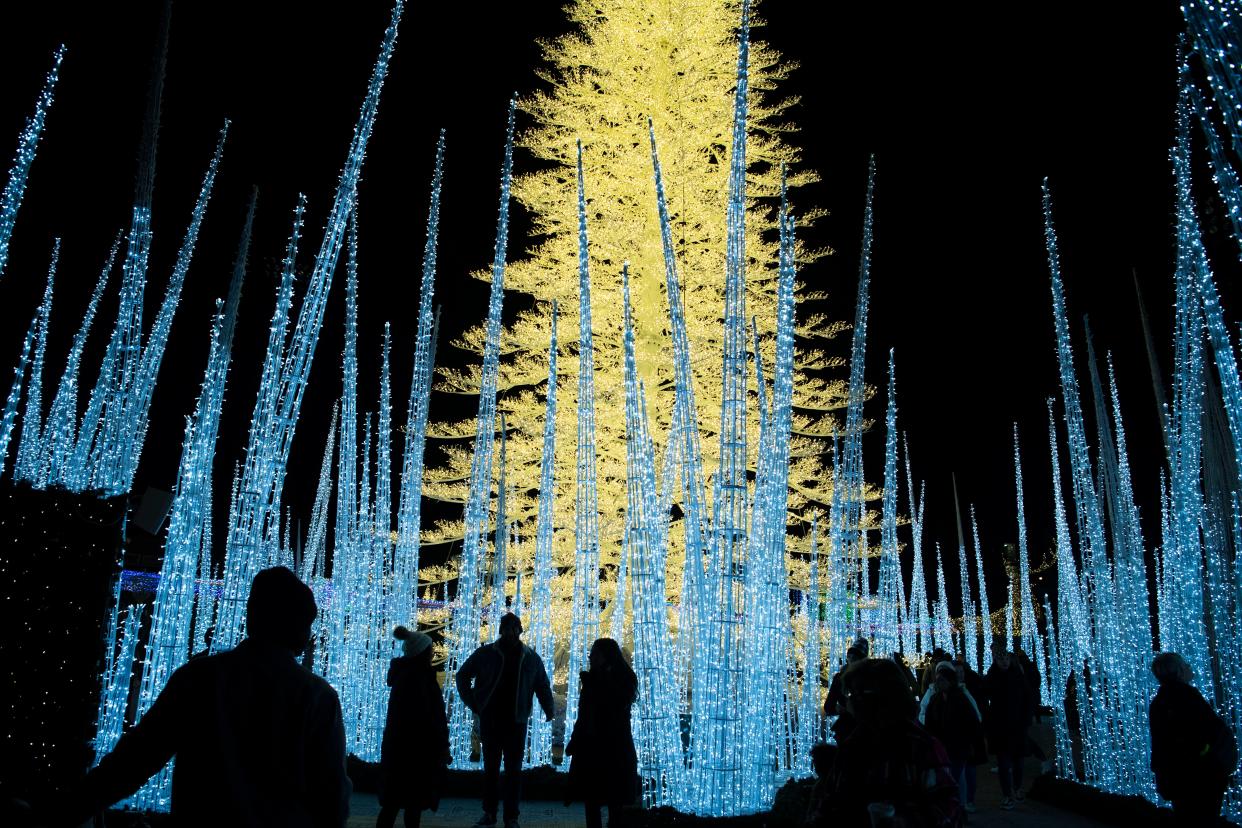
729 657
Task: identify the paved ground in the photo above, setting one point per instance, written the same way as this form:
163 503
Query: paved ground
461 813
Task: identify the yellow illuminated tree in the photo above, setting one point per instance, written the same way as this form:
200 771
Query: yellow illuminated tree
625 61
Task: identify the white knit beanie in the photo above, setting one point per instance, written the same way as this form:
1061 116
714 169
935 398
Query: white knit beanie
413 641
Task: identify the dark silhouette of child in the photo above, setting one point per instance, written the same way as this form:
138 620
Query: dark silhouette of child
604 770
414 753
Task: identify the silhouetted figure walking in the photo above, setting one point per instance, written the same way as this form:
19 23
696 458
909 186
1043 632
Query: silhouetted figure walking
889 765
257 737
951 715
497 682
1193 750
414 753
604 770
1010 708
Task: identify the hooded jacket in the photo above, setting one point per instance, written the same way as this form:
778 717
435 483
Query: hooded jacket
484 668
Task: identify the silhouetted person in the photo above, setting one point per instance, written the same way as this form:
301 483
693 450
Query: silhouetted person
928 674
911 679
951 715
1193 750
834 702
604 770
414 752
258 738
889 760
497 682
1009 715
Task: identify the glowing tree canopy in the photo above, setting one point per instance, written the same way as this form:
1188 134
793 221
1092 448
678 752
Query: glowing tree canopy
628 61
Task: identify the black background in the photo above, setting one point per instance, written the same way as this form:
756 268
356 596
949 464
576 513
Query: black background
966 106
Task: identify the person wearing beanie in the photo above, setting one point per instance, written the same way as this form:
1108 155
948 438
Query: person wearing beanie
414 751
496 683
950 713
259 739
834 703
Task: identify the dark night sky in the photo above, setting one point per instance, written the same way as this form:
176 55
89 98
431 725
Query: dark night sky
966 109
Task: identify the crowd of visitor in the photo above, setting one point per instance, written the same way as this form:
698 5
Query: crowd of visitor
258 739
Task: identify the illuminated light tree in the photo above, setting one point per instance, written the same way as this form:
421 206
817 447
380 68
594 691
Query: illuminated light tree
61 431
27 145
630 62
810 722
465 623
891 605
1029 631
985 614
281 391
917 627
116 679
409 513
660 757
26 465
542 636
15 390
500 542
584 626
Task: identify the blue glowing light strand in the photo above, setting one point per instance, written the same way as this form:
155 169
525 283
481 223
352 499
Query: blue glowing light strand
888 639
500 543
114 700
916 631
409 511
1212 28
657 727
584 625
15 390
266 463
717 734
838 567
942 635
314 557
465 622
687 454
542 636
60 433
985 613
138 405
851 477
27 146
1185 483
810 713
1030 632
236 555
767 625
26 465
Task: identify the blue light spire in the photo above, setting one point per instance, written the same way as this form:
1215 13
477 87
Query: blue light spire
267 457
810 713
985 613
409 511
584 626
1030 632
542 636
683 451
60 433
27 145
26 466
15 390
917 627
657 726
500 544
717 738
891 599
465 624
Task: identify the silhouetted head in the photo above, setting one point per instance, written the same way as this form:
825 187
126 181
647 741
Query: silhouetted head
510 628
1171 668
946 675
280 609
876 693
413 642
606 653
855 654
1001 657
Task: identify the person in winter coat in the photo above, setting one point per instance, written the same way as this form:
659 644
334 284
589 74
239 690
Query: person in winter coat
889 763
414 752
1010 708
258 739
497 682
1193 751
604 770
950 714
834 703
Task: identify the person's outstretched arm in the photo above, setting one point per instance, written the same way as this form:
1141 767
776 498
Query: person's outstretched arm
465 679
